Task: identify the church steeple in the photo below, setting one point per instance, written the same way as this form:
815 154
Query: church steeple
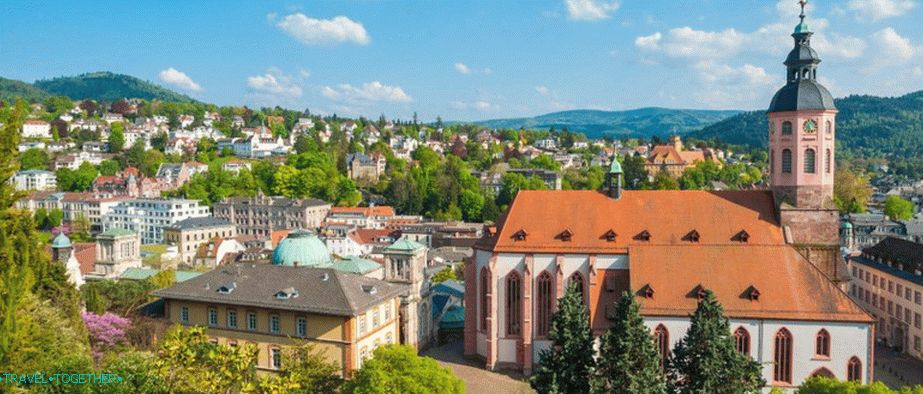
802 61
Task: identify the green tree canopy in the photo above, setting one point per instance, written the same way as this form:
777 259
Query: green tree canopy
569 364
398 369
34 159
898 208
628 357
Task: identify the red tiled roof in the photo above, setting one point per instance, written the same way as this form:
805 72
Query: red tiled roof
278 235
86 256
368 236
380 210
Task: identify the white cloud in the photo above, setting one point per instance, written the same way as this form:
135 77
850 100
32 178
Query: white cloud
651 42
462 68
275 83
543 90
590 10
893 45
177 78
312 31
369 92
875 10
479 105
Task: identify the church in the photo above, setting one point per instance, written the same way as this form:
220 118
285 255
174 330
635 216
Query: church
770 256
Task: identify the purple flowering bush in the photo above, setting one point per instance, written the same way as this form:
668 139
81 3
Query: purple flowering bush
107 331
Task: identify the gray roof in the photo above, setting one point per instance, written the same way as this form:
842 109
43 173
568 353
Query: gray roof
805 94
202 222
277 201
362 158
320 290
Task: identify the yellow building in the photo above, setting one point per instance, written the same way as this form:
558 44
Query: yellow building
345 315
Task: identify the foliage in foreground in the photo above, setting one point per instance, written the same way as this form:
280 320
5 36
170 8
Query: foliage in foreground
398 369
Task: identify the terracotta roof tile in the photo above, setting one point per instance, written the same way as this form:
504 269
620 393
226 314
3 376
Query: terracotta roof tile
86 256
380 210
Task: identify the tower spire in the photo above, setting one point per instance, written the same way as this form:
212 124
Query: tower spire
803 3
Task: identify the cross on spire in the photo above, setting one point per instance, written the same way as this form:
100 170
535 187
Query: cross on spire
803 3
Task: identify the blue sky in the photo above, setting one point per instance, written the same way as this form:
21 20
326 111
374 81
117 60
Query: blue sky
466 60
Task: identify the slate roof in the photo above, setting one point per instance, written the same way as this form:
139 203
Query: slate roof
801 95
200 222
899 251
320 290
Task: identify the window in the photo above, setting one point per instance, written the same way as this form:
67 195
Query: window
822 344
787 128
276 354
662 340
900 311
251 321
916 343
742 340
301 327
810 161
485 283
388 311
274 324
513 305
829 127
917 297
232 318
786 161
900 290
907 293
212 316
544 303
184 314
828 161
854 370
782 357
891 286
362 324
376 318
576 280
389 338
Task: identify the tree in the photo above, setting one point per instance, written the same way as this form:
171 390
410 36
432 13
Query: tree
851 191
107 331
635 172
566 367
41 218
55 218
822 385
89 106
706 360
189 363
58 104
398 369
898 208
629 361
120 107
78 180
447 273
117 137
34 159
303 367
664 181
108 167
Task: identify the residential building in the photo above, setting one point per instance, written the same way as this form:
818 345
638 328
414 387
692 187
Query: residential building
34 128
361 242
360 217
129 182
674 158
887 280
35 180
863 230
235 165
190 234
148 216
261 215
73 205
74 160
361 166
175 175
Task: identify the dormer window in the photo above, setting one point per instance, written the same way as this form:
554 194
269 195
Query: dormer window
369 289
742 236
609 236
643 236
565 235
647 291
520 235
287 293
752 293
227 288
698 292
692 236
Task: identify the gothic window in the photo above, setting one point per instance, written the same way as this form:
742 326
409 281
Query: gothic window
787 128
854 370
786 161
662 340
822 344
576 280
782 357
828 161
822 372
485 281
544 299
513 305
742 341
810 158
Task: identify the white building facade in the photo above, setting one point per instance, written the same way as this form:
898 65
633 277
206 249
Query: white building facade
149 217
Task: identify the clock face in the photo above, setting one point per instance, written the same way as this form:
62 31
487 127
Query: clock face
810 127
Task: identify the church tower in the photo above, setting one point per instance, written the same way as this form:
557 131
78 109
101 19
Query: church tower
802 129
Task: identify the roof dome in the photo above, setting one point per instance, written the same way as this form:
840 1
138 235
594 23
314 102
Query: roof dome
301 248
805 94
61 241
616 167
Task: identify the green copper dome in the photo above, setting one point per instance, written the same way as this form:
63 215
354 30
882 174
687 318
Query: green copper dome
802 28
616 167
303 249
61 241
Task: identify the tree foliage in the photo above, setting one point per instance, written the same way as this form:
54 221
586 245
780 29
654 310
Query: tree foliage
398 369
851 191
629 361
898 208
568 365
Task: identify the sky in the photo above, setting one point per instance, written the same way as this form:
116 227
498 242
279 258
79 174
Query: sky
467 60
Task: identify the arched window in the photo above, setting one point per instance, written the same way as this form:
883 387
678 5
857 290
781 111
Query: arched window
823 373
782 357
786 161
787 128
576 280
544 298
662 340
822 344
513 305
854 370
810 161
485 283
829 127
828 161
742 340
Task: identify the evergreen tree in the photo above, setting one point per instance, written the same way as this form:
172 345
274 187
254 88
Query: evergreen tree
566 367
629 362
706 361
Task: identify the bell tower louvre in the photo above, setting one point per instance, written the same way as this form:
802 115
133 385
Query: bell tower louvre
802 129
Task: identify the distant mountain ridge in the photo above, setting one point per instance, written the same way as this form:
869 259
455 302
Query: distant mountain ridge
101 86
642 122
866 126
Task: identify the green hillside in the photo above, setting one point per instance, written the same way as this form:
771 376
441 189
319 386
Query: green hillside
867 126
11 89
643 122
102 86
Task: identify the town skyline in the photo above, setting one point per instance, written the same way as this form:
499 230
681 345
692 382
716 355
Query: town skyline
353 59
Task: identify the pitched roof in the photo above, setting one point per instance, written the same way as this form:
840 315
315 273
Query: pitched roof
790 287
85 253
365 236
668 215
199 222
378 210
405 245
898 250
141 273
320 290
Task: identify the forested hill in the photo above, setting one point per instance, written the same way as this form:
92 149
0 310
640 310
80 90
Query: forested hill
101 86
643 122
867 126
